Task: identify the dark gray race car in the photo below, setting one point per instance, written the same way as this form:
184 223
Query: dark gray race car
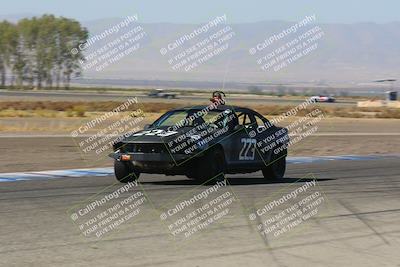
204 143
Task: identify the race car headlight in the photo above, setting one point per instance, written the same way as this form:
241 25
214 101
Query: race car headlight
125 157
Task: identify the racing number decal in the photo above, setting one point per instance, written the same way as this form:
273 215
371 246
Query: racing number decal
249 144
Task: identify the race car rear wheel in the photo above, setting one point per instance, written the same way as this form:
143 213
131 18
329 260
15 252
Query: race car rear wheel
276 169
212 166
125 171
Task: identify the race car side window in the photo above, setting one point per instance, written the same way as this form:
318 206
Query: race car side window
240 117
246 119
243 118
261 121
251 120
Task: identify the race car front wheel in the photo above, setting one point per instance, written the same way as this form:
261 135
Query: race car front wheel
125 171
276 168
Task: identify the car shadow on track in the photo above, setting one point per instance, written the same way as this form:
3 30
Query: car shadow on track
241 181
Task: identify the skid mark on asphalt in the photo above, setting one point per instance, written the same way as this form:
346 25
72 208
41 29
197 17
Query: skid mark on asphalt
97 172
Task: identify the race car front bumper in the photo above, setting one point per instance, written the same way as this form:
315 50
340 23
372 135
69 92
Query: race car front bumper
163 163
153 157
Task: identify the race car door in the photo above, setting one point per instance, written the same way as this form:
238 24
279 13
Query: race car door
244 153
264 132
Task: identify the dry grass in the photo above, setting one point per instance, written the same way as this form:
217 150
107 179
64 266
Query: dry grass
389 113
78 105
331 111
44 113
53 109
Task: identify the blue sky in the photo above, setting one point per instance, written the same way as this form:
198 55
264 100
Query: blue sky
189 11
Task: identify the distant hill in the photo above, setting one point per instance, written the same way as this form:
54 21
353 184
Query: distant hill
347 53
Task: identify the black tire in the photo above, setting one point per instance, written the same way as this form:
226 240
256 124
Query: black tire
212 166
276 168
125 171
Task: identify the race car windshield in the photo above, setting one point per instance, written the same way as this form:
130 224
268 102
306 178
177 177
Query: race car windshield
188 118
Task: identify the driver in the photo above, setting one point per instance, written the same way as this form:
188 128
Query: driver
217 97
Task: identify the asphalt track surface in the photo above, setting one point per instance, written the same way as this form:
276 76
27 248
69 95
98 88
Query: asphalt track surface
357 223
84 96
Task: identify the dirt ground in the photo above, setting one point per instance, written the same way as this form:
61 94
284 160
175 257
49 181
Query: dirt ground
41 125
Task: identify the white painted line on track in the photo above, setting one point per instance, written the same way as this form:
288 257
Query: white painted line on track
107 171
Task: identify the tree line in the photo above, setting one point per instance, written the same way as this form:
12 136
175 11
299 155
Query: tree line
36 52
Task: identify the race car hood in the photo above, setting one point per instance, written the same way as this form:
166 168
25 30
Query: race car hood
156 135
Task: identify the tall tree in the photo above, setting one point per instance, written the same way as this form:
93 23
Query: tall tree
38 50
8 43
28 29
71 36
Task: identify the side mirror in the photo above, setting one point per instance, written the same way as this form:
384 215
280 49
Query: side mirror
238 127
146 126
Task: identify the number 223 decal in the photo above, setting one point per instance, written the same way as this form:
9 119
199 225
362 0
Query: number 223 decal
248 150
